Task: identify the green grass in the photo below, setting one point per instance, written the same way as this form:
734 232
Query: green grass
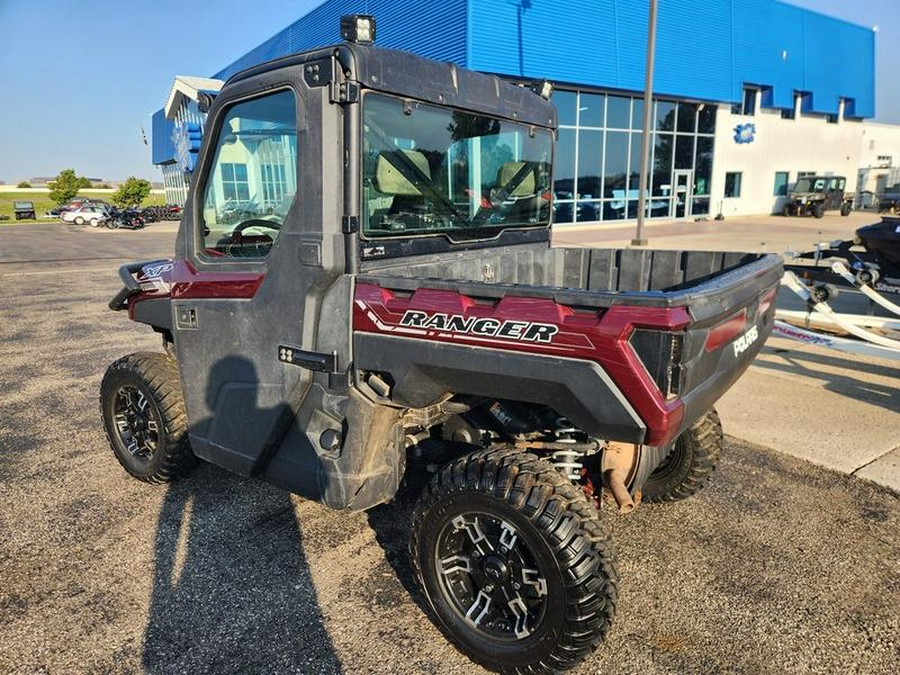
43 203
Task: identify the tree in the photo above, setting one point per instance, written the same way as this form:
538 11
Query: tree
132 192
84 183
24 184
65 186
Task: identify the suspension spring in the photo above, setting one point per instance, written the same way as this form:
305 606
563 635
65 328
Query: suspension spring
567 460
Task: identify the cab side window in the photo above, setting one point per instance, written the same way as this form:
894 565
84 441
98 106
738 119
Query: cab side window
253 180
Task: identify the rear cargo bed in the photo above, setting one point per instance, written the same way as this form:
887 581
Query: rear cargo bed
578 276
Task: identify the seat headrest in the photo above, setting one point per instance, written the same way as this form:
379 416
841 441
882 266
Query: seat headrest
526 186
390 181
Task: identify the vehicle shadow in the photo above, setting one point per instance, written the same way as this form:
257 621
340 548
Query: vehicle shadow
232 590
392 525
861 389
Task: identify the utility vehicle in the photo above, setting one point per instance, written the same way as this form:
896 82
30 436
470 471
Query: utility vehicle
815 195
387 298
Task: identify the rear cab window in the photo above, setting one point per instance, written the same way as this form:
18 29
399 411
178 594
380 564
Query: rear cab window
430 170
252 182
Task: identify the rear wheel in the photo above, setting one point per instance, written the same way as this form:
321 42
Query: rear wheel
95 222
145 419
514 562
786 211
845 209
690 462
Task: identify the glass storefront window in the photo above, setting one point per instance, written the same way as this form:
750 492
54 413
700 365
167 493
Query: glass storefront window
665 116
590 154
587 211
637 116
566 105
615 165
700 207
703 165
687 113
635 171
706 120
565 163
590 109
663 149
684 151
598 165
618 112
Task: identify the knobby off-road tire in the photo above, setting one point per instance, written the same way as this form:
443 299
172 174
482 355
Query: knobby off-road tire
145 419
505 525
818 210
689 464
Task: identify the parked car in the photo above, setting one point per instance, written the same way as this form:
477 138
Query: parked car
92 213
814 195
24 210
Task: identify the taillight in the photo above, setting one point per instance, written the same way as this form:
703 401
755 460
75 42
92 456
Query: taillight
726 331
660 353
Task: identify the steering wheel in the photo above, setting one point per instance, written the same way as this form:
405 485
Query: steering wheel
256 222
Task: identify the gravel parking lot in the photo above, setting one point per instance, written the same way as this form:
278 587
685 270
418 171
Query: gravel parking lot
777 567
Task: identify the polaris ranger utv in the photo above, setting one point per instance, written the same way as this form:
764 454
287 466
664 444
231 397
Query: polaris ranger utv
814 195
386 297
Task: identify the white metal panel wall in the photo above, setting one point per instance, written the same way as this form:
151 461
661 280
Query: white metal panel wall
802 144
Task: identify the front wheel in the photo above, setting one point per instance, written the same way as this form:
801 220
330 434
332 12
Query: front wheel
819 210
515 562
79 220
689 463
145 419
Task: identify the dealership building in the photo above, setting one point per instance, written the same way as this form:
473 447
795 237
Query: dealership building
749 96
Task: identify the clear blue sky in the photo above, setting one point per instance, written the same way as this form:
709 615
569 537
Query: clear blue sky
79 78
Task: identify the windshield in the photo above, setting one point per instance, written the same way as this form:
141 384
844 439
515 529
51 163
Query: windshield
810 185
431 170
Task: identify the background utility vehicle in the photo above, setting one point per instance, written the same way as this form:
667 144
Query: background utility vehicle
814 195
394 302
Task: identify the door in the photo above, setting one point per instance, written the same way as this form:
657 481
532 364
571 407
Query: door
683 193
253 279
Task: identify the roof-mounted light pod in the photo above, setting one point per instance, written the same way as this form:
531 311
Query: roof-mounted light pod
544 89
359 28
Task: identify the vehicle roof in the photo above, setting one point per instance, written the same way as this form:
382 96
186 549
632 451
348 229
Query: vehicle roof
404 74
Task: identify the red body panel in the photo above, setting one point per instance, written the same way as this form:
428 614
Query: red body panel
593 335
188 283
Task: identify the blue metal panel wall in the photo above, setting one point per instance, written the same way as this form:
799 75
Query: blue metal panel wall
432 29
706 49
163 151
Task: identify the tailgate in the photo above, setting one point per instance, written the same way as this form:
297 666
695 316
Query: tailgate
733 315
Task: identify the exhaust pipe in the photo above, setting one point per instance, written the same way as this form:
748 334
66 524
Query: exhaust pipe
615 480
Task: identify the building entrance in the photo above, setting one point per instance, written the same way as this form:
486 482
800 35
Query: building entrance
683 194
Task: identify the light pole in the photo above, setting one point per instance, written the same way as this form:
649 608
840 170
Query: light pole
639 240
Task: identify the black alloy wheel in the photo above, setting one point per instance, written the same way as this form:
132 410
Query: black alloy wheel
514 562
490 575
144 417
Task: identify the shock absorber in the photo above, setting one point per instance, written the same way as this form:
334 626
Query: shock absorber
567 460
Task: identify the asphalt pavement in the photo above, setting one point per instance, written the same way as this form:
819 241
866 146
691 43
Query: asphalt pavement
778 566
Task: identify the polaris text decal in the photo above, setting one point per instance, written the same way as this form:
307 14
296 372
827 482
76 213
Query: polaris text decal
525 331
744 341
